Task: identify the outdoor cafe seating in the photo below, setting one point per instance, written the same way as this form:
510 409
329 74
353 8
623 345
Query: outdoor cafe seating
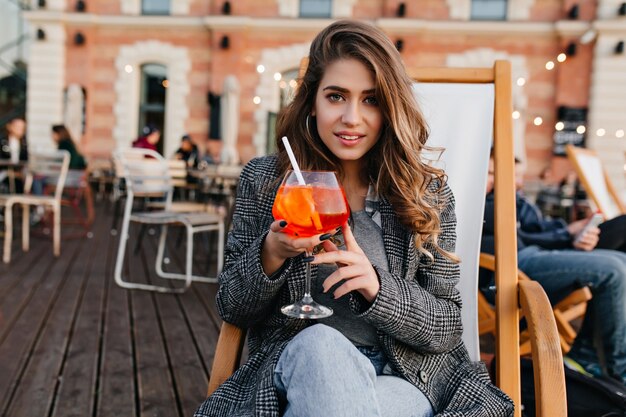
146 174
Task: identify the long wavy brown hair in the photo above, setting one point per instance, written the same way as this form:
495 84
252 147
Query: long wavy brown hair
394 165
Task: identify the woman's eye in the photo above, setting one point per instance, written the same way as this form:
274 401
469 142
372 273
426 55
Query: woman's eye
334 97
371 100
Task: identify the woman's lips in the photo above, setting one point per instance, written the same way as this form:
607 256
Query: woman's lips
349 140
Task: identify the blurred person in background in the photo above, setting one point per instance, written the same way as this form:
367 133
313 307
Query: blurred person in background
13 148
149 139
212 152
63 139
188 151
13 144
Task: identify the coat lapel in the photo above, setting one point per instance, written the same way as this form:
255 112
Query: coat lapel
397 239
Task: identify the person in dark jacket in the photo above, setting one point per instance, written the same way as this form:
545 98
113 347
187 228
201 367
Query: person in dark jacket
63 139
13 147
188 151
393 347
13 143
550 253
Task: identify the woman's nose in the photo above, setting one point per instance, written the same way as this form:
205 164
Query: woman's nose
352 114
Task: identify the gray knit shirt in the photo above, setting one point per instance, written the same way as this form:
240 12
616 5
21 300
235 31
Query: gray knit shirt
369 236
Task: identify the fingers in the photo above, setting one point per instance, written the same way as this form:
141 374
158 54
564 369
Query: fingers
355 278
339 256
344 273
349 239
329 246
354 269
278 226
360 284
288 246
588 241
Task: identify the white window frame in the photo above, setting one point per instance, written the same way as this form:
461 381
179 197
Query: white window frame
291 8
126 109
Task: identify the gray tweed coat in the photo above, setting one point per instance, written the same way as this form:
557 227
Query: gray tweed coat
417 312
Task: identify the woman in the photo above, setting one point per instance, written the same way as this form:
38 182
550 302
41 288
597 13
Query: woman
149 139
394 347
64 141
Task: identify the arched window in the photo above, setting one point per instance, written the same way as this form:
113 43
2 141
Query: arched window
153 90
287 87
489 9
155 7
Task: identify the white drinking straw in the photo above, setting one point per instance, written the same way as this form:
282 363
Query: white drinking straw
294 163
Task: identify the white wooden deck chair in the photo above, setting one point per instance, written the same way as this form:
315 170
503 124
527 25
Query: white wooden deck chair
146 173
464 112
52 166
596 181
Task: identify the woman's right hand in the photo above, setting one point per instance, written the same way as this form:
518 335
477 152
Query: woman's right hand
279 246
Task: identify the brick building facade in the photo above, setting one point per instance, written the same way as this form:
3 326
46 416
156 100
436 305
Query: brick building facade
101 47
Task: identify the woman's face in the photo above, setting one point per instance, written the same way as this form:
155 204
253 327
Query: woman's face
349 120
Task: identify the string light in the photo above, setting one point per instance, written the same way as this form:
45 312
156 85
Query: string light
256 100
260 69
277 76
516 114
521 81
585 39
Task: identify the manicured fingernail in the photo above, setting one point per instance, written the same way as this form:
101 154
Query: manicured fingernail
325 236
308 258
282 223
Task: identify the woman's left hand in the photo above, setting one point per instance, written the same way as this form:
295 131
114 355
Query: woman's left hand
354 269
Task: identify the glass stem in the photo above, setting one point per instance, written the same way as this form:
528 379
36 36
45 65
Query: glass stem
307 299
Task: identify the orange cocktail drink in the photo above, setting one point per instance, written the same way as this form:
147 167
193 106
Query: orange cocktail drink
312 203
310 209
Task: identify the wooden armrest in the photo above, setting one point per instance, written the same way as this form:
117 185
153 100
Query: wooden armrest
227 355
549 374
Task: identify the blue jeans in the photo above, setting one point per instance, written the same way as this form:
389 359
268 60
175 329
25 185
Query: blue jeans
561 271
321 373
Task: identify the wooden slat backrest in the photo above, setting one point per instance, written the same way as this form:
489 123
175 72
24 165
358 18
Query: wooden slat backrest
507 343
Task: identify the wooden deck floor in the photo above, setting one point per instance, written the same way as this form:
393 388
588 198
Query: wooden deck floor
73 343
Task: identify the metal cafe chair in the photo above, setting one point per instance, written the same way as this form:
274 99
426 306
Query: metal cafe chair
52 166
146 173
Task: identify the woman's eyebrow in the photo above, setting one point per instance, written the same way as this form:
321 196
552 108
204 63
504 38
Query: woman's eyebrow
345 90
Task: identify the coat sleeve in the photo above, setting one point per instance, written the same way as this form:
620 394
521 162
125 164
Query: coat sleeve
423 312
246 294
